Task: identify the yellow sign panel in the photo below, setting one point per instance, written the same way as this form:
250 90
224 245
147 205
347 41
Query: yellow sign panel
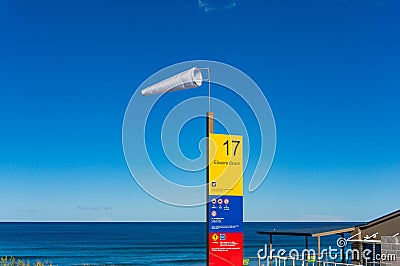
215 237
225 165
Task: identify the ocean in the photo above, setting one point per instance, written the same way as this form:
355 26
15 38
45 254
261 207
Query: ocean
136 243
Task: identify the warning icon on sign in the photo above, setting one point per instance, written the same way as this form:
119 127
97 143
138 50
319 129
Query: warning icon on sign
215 237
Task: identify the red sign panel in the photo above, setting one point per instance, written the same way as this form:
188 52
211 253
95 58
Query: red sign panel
225 249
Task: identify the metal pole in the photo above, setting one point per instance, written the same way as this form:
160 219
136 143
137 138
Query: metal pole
307 258
360 246
209 90
343 257
319 250
209 130
270 246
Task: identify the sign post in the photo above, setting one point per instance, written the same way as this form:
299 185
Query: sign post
225 198
209 131
224 178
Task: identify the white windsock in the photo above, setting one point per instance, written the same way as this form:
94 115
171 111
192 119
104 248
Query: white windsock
188 79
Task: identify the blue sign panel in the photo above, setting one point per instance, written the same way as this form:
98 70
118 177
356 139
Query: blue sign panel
225 213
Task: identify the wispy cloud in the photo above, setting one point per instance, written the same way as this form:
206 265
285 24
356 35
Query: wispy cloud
217 5
321 218
100 208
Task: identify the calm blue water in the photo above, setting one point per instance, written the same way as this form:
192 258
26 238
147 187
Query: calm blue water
132 243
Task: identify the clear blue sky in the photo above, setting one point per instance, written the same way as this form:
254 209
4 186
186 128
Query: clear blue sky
329 69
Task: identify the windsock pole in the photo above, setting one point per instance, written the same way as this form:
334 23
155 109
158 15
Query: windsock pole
209 130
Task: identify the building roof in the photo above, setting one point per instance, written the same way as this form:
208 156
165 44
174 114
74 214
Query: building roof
330 230
381 219
314 232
